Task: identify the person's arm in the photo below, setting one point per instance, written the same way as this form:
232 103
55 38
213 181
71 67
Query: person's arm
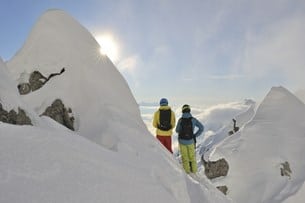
199 126
178 127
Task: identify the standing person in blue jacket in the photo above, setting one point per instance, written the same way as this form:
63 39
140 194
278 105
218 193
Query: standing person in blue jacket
186 137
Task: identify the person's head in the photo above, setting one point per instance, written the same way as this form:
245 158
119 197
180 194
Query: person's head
163 102
186 108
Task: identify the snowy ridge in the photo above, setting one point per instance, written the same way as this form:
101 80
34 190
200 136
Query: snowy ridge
241 112
256 153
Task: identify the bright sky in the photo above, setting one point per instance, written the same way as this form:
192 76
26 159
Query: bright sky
196 52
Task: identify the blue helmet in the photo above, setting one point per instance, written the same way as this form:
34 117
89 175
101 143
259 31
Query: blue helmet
163 102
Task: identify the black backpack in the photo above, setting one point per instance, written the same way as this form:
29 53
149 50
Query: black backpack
165 119
186 131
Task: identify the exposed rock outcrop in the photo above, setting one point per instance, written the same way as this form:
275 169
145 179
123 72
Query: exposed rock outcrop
235 128
12 117
285 170
24 88
215 169
58 112
36 81
223 189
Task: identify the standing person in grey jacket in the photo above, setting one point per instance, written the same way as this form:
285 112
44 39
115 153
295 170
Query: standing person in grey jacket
186 137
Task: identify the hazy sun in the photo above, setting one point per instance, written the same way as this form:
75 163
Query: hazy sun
108 46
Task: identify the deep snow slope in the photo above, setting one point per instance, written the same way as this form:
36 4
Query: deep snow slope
255 154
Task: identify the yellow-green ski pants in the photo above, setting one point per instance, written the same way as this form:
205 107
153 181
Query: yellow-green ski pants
188 157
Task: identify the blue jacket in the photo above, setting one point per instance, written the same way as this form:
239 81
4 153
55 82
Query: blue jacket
195 123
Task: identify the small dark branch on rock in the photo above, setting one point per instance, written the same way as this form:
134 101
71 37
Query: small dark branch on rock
54 74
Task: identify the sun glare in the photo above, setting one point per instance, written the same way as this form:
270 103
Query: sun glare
108 46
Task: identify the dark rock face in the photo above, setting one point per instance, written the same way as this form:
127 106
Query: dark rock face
215 169
37 80
12 117
235 128
223 189
22 118
24 88
285 170
3 115
58 112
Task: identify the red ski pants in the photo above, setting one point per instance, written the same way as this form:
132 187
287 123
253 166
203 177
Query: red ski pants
166 141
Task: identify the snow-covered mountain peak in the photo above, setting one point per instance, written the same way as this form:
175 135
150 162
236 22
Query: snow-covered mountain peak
56 32
280 93
280 105
274 138
91 85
